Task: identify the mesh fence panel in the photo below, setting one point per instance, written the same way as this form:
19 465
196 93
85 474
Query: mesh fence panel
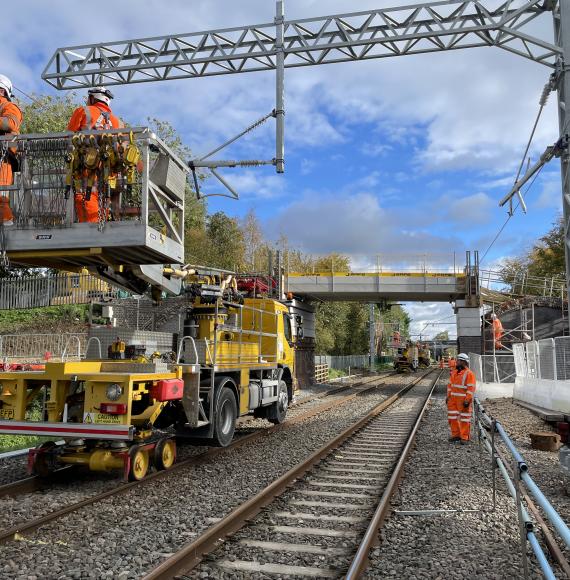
476 365
519 353
547 359
562 347
532 359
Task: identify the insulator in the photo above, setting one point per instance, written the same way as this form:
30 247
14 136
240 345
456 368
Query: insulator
545 94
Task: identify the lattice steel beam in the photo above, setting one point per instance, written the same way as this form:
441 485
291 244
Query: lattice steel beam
415 29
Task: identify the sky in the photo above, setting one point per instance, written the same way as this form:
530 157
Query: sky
404 155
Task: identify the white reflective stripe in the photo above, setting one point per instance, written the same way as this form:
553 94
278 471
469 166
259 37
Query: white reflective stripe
458 394
459 387
88 118
465 414
470 385
465 420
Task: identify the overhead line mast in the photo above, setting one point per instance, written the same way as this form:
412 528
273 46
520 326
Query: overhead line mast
398 31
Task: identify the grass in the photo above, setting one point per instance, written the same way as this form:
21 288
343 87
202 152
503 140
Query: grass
15 442
336 373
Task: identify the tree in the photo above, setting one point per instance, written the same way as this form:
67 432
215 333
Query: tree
441 336
545 259
255 246
47 114
227 247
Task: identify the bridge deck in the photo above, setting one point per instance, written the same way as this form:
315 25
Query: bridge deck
368 287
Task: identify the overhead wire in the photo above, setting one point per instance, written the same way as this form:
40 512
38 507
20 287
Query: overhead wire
34 100
548 88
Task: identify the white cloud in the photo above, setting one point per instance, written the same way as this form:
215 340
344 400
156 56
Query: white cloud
353 224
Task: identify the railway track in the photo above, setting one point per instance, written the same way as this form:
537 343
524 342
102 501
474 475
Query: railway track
323 514
304 410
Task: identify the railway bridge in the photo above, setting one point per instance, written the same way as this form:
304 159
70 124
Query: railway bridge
458 285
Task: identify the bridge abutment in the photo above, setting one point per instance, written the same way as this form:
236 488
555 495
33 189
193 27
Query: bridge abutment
468 327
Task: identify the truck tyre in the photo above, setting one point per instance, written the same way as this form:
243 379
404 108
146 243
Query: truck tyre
277 412
225 419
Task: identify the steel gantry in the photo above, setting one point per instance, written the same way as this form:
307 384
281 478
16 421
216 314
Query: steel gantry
386 32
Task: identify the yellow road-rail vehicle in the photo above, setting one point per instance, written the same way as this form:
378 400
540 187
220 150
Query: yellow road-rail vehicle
235 358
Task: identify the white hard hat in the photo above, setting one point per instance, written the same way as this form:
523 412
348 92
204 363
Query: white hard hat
6 84
101 94
463 356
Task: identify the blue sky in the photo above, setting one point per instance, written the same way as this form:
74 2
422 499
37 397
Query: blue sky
403 155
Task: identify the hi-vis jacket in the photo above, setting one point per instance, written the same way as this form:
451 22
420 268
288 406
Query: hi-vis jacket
461 386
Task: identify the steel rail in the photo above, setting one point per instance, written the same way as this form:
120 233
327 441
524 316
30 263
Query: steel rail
192 554
35 483
10 533
370 538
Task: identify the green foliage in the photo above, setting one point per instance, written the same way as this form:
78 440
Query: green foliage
48 114
227 246
42 320
444 335
336 373
545 259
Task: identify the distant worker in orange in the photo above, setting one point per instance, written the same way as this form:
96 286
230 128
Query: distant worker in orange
460 394
10 121
498 331
96 116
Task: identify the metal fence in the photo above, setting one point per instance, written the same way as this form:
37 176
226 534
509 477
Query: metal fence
493 368
37 347
548 358
343 362
53 290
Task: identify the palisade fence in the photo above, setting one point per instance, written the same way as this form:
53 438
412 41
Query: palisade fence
343 362
53 290
39 347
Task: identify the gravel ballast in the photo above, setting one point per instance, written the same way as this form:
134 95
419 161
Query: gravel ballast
447 476
126 535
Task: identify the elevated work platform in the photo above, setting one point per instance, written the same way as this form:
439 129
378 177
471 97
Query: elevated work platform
138 185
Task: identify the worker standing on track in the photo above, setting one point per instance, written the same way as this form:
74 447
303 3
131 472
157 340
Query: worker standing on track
460 394
10 121
97 116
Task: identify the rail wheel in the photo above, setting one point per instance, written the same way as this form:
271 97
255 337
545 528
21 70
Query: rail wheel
277 412
44 464
165 454
139 463
225 419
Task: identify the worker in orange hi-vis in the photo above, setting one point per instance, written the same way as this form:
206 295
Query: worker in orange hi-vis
460 394
97 116
452 364
498 331
10 121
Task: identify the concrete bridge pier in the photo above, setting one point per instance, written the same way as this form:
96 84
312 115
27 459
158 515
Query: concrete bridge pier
468 326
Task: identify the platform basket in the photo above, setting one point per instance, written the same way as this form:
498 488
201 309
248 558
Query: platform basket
141 213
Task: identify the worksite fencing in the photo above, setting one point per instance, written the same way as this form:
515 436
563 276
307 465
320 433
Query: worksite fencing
543 373
39 347
53 290
343 362
490 368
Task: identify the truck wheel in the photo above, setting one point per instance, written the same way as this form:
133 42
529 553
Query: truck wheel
277 411
225 419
